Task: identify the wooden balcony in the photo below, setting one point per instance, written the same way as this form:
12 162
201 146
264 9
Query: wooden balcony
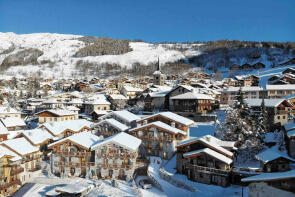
72 154
116 166
282 112
16 171
4 185
34 169
117 155
75 165
156 139
206 169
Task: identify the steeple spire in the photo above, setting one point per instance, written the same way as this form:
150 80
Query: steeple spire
158 66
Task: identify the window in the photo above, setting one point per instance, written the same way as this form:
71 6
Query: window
279 117
283 117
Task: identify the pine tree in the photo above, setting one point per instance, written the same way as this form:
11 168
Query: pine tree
264 115
240 98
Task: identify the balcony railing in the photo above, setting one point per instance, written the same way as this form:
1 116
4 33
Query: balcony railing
4 185
116 166
71 164
34 169
117 155
16 171
207 169
72 154
157 139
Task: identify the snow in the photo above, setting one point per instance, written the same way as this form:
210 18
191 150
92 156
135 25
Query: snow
61 112
37 136
20 145
270 155
75 125
12 122
244 89
161 125
114 123
267 102
117 97
174 117
271 176
211 153
61 49
192 95
125 140
152 192
281 87
6 152
126 115
85 139
201 129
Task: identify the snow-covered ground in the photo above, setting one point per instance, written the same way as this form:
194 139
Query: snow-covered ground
152 192
60 48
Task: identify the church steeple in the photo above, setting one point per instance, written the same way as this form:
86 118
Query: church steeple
158 66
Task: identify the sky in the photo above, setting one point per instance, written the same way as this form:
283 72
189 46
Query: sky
154 20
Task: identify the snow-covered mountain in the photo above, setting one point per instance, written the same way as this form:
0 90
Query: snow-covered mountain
52 55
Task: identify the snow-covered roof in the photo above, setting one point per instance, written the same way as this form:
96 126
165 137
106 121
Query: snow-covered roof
37 136
291 133
157 72
59 112
174 117
161 125
125 140
271 176
267 102
211 153
270 155
114 123
290 125
72 108
3 129
12 122
211 142
98 102
8 110
126 115
132 89
281 87
85 139
20 145
117 97
192 96
6 152
244 89
57 128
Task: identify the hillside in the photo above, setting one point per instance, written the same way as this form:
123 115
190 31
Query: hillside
61 55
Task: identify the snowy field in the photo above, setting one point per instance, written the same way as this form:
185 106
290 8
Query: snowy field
60 48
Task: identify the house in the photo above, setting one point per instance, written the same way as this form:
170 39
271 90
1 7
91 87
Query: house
247 80
72 156
274 161
116 156
158 139
280 91
37 137
118 101
291 142
278 110
67 128
30 157
10 171
9 112
130 92
109 127
169 118
206 159
12 123
56 115
229 95
100 104
272 184
3 133
125 117
192 102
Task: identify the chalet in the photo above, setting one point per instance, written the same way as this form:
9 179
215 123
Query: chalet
109 127
130 92
291 142
248 80
115 156
3 133
206 159
12 123
274 161
280 91
258 65
10 171
272 184
57 115
169 118
118 101
158 139
228 95
100 104
192 102
37 137
67 128
72 156
278 110
30 156
289 71
125 117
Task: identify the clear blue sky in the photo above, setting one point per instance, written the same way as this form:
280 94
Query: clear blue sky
154 20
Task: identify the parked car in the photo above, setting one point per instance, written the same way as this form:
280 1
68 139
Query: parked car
145 184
